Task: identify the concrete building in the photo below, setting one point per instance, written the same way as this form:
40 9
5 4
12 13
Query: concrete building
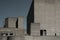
47 15
13 29
30 18
48 12
10 22
43 23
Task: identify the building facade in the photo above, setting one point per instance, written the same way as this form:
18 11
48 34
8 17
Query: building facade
46 23
43 23
13 29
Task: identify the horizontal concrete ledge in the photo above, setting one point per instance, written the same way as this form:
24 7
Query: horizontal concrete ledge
40 36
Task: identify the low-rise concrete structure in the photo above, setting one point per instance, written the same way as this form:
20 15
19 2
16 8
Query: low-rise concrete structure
12 30
10 22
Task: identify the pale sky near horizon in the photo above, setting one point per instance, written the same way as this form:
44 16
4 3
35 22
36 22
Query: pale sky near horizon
14 8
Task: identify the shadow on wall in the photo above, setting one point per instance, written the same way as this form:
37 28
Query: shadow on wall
30 18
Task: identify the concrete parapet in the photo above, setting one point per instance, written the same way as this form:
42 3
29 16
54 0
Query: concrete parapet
10 22
42 37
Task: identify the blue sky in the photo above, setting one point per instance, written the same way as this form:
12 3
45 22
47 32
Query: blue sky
14 8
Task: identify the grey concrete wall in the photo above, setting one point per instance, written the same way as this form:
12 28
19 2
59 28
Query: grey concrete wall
17 34
35 29
10 38
42 38
28 37
4 38
11 22
20 22
47 13
19 38
58 17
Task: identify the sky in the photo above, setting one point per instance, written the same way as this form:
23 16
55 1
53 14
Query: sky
14 8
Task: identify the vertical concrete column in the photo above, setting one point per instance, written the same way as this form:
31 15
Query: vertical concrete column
20 22
44 32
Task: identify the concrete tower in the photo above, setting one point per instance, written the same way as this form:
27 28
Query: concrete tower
47 13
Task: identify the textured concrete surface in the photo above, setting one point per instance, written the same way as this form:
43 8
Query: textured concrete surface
4 38
35 29
21 22
47 18
47 13
42 38
13 30
10 22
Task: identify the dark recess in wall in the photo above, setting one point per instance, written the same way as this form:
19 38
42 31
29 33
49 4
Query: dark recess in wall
17 23
6 23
